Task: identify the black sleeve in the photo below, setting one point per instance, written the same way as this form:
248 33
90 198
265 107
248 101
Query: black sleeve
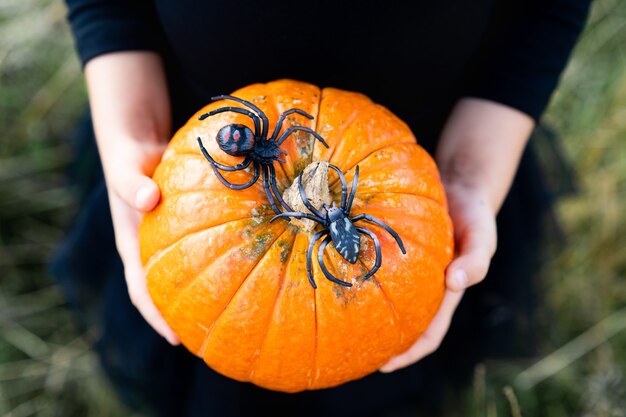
521 68
102 26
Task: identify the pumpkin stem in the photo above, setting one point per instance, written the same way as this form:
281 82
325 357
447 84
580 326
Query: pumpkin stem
315 183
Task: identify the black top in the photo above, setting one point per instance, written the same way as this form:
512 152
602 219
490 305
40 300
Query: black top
417 58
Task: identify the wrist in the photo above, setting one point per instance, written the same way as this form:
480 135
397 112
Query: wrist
480 148
129 100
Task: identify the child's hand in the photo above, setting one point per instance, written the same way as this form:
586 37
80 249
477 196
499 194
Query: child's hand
478 154
475 240
131 114
131 193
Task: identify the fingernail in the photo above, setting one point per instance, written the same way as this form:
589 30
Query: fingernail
143 194
172 339
460 278
388 367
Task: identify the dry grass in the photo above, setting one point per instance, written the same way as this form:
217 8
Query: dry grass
47 369
582 370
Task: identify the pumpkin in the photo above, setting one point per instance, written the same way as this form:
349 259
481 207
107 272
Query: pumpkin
234 287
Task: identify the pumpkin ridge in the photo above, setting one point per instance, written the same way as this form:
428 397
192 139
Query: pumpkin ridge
349 122
189 281
434 307
418 219
426 250
161 252
258 185
363 196
332 267
389 303
271 316
389 145
210 331
314 370
214 191
400 139
176 299
201 157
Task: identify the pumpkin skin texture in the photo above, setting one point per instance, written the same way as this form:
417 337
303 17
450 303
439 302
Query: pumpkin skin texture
234 287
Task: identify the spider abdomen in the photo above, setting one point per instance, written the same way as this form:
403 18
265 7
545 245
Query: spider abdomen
235 139
346 239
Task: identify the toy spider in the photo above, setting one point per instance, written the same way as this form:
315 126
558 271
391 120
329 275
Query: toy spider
259 150
340 229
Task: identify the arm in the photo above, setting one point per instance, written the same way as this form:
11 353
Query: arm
483 139
131 115
478 154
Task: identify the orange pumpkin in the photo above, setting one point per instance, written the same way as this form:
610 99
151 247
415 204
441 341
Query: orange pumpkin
234 286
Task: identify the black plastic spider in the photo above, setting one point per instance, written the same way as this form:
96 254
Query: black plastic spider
342 232
259 150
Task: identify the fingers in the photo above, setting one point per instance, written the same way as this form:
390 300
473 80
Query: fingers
125 222
128 165
139 296
477 246
475 236
430 340
134 188
131 192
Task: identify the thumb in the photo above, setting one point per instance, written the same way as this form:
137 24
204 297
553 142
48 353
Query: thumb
136 189
477 246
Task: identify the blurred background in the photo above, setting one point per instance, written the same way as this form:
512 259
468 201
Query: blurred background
48 369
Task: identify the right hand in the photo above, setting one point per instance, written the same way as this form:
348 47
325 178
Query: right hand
131 115
131 193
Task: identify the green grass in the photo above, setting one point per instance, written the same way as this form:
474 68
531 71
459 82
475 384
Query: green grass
48 369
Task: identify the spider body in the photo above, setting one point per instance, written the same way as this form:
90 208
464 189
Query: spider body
258 149
343 234
339 228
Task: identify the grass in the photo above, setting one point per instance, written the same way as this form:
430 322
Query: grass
48 369
582 368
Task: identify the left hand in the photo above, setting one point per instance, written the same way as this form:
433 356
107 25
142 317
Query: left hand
478 155
475 237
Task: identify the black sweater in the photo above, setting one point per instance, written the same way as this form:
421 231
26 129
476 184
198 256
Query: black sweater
415 57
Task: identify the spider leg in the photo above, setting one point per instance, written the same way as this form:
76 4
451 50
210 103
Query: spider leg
257 172
268 191
281 119
352 191
250 105
246 162
389 230
309 255
379 254
254 117
297 215
306 202
277 193
344 187
320 259
292 129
